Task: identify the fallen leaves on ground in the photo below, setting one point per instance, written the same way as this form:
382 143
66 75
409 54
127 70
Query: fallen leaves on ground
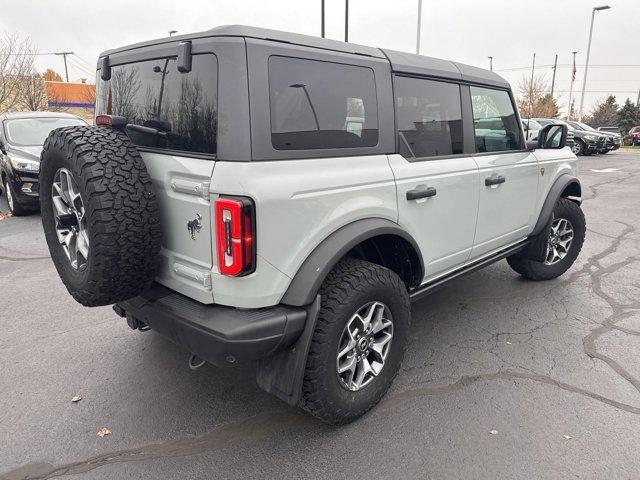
493 432
76 398
5 215
103 432
567 437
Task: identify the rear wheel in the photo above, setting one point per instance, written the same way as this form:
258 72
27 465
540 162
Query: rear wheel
560 243
358 343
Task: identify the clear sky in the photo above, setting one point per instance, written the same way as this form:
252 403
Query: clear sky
467 31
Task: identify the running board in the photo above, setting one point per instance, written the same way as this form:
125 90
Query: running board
429 287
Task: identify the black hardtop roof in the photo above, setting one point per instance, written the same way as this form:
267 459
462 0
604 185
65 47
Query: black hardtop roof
400 61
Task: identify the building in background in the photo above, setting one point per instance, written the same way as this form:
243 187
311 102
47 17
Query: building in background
76 98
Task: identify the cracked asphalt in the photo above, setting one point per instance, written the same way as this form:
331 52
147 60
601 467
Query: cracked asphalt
553 367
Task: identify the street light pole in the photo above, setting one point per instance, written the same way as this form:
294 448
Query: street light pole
419 25
586 65
346 20
490 63
171 32
322 19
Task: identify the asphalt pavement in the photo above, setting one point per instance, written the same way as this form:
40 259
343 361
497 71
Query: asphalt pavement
503 378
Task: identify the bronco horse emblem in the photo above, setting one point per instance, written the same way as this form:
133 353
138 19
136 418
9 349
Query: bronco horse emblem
194 226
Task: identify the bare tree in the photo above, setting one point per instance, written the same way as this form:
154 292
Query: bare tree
534 99
32 94
16 63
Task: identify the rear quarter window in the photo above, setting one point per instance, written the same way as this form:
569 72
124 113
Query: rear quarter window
178 111
321 105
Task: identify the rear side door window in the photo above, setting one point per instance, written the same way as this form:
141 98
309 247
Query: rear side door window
165 109
429 117
321 105
495 122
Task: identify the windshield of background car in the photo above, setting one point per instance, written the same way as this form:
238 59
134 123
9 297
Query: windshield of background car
179 110
34 131
544 122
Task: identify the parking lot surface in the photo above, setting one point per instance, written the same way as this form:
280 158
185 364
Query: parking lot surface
503 378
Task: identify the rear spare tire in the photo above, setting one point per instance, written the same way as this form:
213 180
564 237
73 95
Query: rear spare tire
99 214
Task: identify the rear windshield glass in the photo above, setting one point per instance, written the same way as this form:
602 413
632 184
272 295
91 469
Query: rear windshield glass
34 131
164 108
318 104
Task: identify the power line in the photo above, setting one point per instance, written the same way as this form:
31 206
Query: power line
564 65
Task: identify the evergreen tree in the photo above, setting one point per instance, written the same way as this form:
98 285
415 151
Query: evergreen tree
628 116
604 114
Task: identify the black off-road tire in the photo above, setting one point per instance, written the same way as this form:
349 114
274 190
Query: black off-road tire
121 209
535 270
350 285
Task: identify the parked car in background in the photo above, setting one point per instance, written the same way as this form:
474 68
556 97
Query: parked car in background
633 137
22 135
609 142
582 142
613 130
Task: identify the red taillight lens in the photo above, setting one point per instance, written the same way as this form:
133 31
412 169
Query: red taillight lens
235 232
103 120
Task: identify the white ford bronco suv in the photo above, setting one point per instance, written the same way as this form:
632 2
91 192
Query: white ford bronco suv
263 196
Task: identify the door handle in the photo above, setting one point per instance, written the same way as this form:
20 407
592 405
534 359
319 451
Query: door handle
494 180
421 193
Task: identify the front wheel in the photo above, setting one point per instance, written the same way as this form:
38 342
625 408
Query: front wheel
561 242
14 207
358 343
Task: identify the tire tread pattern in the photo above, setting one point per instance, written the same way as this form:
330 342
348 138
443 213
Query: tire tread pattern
350 275
122 212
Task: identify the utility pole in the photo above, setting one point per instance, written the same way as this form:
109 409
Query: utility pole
553 79
533 69
346 20
419 25
490 63
322 18
638 100
573 78
64 56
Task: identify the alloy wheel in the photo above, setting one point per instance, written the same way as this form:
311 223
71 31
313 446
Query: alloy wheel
71 223
364 346
576 147
559 241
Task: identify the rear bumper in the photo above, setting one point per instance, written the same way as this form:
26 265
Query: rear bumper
220 335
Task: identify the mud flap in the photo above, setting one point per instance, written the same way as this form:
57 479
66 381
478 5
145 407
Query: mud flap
283 373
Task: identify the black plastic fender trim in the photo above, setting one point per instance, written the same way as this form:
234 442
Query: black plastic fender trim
306 282
560 184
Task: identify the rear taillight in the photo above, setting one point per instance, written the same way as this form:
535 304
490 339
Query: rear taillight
235 232
110 121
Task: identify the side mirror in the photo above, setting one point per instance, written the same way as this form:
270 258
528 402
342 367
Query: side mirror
553 136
